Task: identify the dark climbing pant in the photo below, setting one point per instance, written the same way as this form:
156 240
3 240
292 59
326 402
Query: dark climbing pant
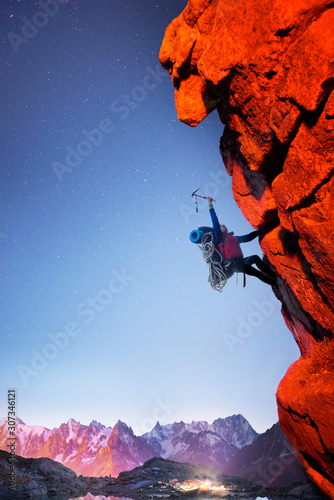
245 266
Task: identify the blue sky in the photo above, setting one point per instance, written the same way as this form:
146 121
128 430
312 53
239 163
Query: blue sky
107 313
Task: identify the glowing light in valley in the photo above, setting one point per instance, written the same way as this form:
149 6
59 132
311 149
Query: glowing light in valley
188 485
197 485
204 486
218 489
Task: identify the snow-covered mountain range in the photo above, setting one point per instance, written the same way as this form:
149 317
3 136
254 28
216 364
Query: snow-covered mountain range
96 450
200 442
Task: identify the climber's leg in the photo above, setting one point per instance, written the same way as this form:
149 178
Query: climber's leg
244 266
255 259
251 271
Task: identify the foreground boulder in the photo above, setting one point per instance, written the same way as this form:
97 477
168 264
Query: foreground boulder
268 69
38 477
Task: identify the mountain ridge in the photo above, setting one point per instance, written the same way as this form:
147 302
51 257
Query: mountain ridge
200 442
269 461
97 450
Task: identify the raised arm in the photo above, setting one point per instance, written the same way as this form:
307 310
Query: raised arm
215 221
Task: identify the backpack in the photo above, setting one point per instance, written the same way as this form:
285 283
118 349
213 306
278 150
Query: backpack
220 270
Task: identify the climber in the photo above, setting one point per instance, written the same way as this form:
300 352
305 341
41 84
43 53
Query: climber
229 246
233 259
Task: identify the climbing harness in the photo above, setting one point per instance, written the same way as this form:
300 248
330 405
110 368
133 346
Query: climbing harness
217 276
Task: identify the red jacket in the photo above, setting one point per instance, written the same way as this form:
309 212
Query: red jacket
231 246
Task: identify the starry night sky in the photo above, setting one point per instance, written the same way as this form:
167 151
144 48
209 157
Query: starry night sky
106 311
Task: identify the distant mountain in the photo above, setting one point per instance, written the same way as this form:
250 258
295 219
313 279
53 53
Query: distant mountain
200 442
268 461
93 450
96 450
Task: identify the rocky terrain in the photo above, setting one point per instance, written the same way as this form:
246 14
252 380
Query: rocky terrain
265 468
157 478
160 478
38 478
268 69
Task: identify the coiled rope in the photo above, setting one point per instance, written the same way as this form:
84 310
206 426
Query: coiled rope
217 277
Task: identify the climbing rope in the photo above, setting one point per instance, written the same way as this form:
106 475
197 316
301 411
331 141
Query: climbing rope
217 277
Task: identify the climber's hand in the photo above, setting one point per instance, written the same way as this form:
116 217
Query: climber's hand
210 200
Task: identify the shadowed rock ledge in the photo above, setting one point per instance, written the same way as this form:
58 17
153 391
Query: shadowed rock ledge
268 69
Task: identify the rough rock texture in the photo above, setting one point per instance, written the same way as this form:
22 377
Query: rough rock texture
37 478
268 68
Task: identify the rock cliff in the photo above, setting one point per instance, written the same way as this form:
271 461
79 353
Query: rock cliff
268 69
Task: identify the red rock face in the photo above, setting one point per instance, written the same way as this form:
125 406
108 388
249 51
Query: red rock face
268 69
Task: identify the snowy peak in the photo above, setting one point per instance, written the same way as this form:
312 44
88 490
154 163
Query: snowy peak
72 421
198 426
235 429
93 450
96 426
200 442
71 429
123 429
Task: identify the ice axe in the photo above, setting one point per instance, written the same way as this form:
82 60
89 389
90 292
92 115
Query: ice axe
198 196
